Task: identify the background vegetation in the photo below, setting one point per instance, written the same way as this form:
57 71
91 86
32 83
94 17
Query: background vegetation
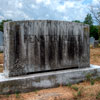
94 29
2 24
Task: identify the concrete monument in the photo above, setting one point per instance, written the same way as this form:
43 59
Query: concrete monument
38 46
1 41
92 40
41 54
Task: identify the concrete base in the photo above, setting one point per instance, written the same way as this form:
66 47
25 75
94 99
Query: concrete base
45 80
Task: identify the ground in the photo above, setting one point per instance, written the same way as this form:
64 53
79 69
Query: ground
1 62
84 91
88 90
95 56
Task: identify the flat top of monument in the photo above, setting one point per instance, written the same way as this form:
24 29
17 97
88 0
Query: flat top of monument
49 21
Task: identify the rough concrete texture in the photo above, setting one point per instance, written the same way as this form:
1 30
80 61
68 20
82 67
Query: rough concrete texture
45 80
1 38
1 48
34 46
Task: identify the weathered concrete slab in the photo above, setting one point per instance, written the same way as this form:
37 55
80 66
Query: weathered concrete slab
1 38
1 48
35 46
45 80
92 40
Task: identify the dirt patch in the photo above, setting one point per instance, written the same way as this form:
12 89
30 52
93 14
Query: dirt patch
84 91
1 68
95 56
1 58
1 61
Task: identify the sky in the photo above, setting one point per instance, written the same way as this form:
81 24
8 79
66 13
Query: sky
67 10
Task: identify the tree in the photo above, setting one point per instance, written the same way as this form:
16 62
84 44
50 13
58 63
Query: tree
94 32
95 11
2 23
77 21
93 29
99 31
88 19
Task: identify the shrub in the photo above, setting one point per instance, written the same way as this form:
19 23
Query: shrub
79 93
75 88
17 95
69 85
88 76
98 96
92 82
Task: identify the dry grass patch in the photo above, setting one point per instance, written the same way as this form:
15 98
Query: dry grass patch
85 91
1 58
95 56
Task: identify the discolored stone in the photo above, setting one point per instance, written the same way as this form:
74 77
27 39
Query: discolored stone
30 83
42 45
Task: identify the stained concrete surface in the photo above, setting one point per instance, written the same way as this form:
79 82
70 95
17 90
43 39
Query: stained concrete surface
44 45
33 82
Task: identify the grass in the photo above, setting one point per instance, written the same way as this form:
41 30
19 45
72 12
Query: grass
35 91
88 76
69 85
92 81
98 96
79 93
1 62
75 88
1 58
17 95
1 68
95 56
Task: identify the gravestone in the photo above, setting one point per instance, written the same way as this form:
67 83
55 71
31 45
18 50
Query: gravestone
92 40
1 38
42 54
96 43
1 41
39 46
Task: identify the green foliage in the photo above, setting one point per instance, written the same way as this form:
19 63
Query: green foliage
77 21
69 85
88 76
1 51
17 95
75 88
98 96
97 79
99 32
88 19
7 95
36 91
94 32
79 93
92 81
2 23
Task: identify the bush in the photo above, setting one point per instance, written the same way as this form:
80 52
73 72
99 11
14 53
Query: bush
98 96
75 88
